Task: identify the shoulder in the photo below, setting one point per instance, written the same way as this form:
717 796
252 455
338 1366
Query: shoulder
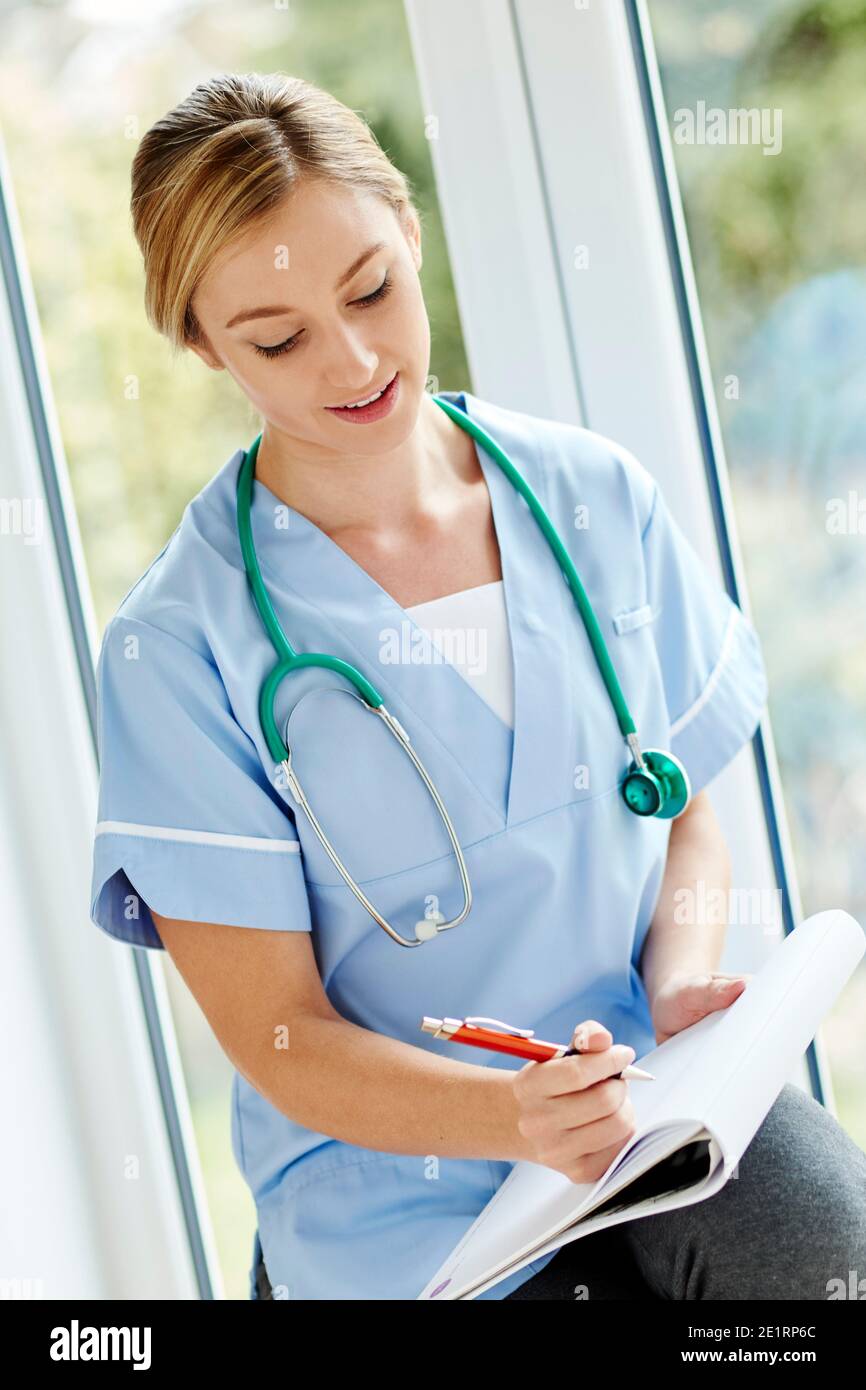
181 587
565 461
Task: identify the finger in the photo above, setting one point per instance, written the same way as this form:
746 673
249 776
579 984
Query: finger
594 1167
587 1140
591 1036
706 991
578 1108
566 1074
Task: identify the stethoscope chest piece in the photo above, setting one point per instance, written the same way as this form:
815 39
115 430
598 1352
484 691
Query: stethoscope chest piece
661 788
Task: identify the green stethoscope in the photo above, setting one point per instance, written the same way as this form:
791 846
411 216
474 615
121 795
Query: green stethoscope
656 783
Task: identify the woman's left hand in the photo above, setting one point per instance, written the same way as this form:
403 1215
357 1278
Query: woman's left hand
685 999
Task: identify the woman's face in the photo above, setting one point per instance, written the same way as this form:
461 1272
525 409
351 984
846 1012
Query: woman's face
299 342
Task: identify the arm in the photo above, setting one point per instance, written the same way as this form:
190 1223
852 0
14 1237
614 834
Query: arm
678 941
263 997
698 860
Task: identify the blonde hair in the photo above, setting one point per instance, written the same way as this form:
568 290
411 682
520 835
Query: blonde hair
223 160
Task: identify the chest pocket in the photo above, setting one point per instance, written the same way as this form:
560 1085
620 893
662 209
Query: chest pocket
600 755
631 618
364 790
634 652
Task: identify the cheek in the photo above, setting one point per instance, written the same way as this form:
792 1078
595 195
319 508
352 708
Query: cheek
262 389
253 374
411 325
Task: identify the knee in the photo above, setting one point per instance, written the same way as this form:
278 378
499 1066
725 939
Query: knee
810 1177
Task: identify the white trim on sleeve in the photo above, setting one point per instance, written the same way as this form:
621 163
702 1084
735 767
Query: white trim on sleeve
706 694
197 837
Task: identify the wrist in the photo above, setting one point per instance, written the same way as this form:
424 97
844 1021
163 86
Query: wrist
661 982
512 1146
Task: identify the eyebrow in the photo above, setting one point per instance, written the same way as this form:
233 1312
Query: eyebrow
268 311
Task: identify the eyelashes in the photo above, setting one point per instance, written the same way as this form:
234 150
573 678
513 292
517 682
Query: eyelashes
378 294
366 302
278 348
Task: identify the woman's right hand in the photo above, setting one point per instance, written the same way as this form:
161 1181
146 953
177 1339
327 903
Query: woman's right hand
575 1112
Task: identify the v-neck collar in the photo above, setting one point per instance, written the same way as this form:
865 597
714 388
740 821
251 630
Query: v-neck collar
519 772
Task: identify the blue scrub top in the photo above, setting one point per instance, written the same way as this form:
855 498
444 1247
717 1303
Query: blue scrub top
196 820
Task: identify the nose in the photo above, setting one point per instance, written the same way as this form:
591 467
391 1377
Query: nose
351 365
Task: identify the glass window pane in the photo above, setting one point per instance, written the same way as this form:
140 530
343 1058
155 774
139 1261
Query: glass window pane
767 106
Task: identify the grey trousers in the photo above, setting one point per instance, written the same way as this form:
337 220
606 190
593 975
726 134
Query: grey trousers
790 1223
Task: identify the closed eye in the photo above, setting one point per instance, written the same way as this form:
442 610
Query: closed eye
378 294
277 348
365 302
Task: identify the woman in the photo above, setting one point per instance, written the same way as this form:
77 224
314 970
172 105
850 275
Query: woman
282 246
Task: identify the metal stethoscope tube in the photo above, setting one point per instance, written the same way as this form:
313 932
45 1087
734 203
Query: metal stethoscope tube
656 784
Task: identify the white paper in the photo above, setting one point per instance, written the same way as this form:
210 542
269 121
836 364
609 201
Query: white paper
719 1077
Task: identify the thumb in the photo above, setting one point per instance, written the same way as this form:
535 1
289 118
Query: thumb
722 990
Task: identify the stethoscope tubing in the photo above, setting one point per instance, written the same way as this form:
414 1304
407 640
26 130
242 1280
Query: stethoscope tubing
652 771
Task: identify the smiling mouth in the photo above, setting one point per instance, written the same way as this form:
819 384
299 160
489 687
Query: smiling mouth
363 400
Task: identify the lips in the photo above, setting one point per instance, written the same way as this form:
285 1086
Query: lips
369 399
376 409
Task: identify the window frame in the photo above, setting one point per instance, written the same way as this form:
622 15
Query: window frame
641 378
523 179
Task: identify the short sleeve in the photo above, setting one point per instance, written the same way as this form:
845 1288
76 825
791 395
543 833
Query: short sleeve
709 652
188 822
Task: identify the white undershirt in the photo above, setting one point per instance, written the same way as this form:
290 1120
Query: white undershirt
470 629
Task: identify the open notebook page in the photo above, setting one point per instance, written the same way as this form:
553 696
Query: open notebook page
721 1075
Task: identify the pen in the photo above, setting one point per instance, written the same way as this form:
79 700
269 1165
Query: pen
518 1042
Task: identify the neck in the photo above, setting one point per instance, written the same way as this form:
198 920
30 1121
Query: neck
371 492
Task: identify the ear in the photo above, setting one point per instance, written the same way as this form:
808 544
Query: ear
204 351
197 339
412 233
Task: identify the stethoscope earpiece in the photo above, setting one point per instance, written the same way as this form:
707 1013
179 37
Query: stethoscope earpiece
661 788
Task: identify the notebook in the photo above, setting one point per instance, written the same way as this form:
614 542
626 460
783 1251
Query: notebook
715 1083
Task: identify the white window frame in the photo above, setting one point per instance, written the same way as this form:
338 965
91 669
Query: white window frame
518 95
99 1145
547 133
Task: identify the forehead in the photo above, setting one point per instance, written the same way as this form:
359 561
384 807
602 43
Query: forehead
301 247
